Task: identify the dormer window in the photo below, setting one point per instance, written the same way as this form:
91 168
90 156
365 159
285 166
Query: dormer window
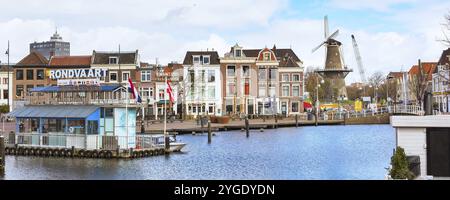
206 60
196 59
237 53
266 56
113 60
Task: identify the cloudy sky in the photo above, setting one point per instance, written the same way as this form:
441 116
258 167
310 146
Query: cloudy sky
392 34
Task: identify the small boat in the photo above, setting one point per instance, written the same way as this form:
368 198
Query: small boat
174 145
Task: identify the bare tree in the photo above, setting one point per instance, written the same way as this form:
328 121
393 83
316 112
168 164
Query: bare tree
446 25
418 84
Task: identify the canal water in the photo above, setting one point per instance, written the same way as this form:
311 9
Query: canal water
324 152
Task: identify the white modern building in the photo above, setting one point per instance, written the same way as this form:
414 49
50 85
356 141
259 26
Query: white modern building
202 84
6 86
427 137
441 84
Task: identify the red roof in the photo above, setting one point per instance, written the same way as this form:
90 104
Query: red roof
34 58
70 61
428 68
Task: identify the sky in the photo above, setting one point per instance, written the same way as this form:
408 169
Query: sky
392 34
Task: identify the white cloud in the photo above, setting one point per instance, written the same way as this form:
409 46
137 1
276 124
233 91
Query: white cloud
377 5
166 30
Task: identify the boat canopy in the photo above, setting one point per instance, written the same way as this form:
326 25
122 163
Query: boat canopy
54 111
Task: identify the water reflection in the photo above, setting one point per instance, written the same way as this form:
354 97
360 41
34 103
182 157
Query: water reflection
325 152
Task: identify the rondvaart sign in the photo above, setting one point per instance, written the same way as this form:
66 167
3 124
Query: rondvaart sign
77 73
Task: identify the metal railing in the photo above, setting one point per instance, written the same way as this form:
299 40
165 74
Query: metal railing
61 140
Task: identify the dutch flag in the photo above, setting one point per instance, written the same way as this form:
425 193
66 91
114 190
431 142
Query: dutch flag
134 91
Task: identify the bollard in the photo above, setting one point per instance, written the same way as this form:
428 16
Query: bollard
316 116
209 132
247 127
118 152
276 121
2 155
296 120
73 151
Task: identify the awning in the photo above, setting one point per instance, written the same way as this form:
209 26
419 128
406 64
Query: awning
101 88
54 111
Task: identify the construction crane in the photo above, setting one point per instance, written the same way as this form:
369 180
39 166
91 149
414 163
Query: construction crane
359 61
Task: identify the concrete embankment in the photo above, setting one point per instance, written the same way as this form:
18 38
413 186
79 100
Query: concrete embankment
377 119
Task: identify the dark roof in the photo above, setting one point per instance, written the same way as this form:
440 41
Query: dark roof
125 57
33 59
54 111
102 88
444 60
70 61
4 68
213 55
396 74
287 57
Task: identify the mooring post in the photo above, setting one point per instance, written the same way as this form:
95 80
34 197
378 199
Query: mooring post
247 127
276 121
73 151
316 118
118 152
2 155
296 120
209 131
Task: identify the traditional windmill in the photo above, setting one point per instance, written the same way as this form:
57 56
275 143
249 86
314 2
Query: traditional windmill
335 69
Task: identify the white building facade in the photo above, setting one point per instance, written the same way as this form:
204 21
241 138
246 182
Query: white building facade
6 86
441 84
202 84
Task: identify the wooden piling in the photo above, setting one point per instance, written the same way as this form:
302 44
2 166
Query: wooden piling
2 155
316 118
276 121
209 132
296 120
247 132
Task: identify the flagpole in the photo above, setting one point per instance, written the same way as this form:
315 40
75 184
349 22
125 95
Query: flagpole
166 138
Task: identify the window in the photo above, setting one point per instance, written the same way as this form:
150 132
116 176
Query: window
125 76
19 90
202 90
229 105
262 74
295 107
145 92
40 74
272 74
161 94
29 87
5 94
196 59
262 90
231 89
285 91
113 76
30 74
296 91
211 92
231 71
247 87
113 60
285 77
266 56
151 93
5 81
246 71
295 77
19 74
146 75
206 60
191 75
272 90
211 76
237 53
